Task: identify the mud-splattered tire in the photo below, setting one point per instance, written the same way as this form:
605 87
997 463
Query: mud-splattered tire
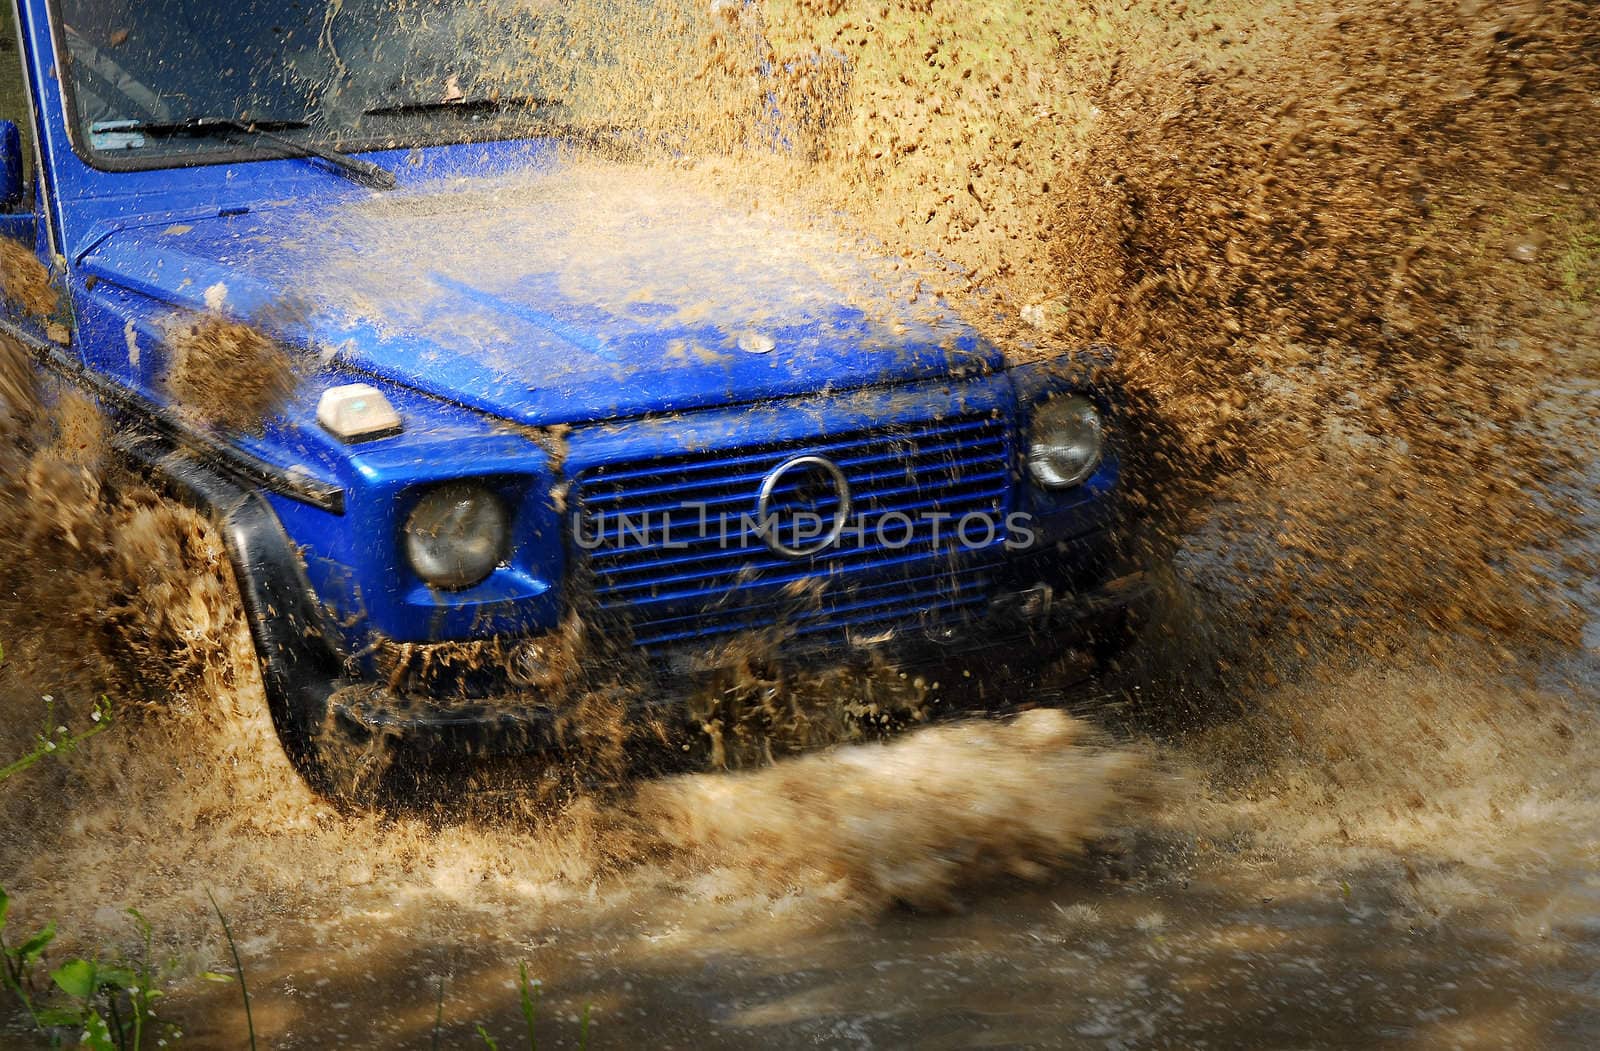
346 762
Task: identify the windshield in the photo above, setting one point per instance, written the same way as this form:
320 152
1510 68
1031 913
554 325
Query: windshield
371 73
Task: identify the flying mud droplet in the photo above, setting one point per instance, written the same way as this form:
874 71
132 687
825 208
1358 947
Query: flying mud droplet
226 373
24 280
1525 249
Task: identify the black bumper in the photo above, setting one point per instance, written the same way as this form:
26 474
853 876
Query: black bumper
1026 632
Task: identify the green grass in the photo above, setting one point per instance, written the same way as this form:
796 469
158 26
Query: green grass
238 968
110 1006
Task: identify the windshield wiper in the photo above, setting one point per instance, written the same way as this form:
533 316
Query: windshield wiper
355 168
480 104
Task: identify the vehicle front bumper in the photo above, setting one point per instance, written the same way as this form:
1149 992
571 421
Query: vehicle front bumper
1025 632
1067 600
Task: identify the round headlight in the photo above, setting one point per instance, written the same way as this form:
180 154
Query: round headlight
1065 441
456 535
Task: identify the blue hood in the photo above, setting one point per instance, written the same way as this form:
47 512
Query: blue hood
568 294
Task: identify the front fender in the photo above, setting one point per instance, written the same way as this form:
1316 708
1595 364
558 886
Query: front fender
301 662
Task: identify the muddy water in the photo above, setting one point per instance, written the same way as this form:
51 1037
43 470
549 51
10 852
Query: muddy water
1427 876
1398 851
1379 852
1352 803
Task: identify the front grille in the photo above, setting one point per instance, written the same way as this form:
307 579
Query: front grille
684 581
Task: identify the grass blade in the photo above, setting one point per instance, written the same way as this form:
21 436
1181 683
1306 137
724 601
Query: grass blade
238 967
530 1007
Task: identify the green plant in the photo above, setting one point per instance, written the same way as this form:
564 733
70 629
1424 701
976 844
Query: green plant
530 1002
17 965
144 992
528 994
93 987
438 1015
1578 263
55 740
112 1006
238 968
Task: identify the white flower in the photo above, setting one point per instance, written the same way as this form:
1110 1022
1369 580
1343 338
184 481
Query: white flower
61 729
49 699
95 715
49 746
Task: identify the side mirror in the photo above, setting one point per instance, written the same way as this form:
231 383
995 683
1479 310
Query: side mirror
12 190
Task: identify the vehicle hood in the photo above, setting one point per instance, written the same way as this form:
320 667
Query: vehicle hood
572 293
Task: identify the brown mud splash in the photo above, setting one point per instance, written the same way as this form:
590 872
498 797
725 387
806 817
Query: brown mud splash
1318 298
101 573
753 706
227 373
889 823
1404 758
199 767
24 281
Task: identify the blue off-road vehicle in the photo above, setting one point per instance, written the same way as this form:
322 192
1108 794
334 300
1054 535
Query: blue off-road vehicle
485 400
